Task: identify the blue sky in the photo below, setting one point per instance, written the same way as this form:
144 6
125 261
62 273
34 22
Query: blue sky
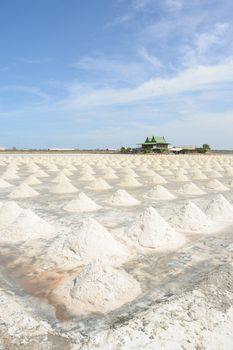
106 73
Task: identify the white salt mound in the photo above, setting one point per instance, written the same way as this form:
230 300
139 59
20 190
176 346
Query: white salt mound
23 191
129 181
220 209
161 193
82 204
9 211
90 241
152 231
27 226
216 185
123 198
63 187
99 185
190 217
4 184
191 189
32 180
158 179
102 288
61 178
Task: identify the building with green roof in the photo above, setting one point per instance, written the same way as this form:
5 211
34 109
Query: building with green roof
155 144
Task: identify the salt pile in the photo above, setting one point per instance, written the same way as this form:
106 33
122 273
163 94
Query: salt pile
190 189
9 211
82 204
216 185
32 180
10 174
99 185
180 177
152 231
159 192
23 191
63 187
60 178
158 179
4 184
26 226
91 240
220 209
129 181
102 288
123 198
190 217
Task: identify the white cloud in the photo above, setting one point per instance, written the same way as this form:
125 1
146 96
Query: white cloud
193 79
154 61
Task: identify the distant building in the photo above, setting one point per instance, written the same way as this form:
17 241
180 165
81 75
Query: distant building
61 149
155 144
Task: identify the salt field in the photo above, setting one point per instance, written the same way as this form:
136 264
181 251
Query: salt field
116 251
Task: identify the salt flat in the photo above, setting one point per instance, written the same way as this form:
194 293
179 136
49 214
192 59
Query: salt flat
116 251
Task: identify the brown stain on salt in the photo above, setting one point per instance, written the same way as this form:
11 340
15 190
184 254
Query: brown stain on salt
40 284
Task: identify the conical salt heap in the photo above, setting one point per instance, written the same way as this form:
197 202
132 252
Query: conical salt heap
129 181
90 241
219 209
161 193
9 211
190 189
26 226
123 198
4 184
63 187
189 217
99 185
157 179
82 204
41 173
214 174
229 172
60 178
23 191
10 174
198 175
180 177
215 185
152 231
102 288
166 172
32 180
86 177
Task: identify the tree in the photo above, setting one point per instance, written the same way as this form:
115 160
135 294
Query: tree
206 147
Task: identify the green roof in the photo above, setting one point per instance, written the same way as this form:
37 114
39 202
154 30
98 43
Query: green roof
156 139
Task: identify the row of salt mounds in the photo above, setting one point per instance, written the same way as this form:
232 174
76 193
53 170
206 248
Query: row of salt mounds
219 208
215 185
189 217
152 231
92 241
63 186
102 288
23 191
4 184
190 189
19 224
99 185
123 198
82 204
160 193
